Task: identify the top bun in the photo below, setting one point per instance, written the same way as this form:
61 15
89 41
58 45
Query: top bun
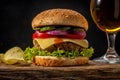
60 17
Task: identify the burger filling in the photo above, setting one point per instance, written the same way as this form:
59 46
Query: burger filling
59 41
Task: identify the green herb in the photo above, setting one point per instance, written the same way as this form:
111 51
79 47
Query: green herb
66 28
78 29
63 28
46 28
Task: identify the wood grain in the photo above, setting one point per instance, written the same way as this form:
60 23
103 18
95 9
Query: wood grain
83 72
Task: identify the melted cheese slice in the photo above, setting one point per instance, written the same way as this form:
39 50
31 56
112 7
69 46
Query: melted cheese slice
44 43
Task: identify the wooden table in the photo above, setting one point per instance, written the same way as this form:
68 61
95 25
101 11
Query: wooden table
83 72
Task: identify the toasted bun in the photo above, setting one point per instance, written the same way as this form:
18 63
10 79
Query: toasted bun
54 61
60 17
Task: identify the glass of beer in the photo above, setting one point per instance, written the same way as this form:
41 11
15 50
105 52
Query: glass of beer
106 15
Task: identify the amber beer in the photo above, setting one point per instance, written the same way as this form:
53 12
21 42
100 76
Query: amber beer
106 14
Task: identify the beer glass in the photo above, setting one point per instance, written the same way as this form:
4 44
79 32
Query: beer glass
106 15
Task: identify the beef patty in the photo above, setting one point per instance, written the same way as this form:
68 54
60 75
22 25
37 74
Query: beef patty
68 46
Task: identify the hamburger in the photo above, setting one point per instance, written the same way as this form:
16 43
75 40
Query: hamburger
59 39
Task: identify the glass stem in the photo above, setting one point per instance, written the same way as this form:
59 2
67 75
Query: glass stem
111 53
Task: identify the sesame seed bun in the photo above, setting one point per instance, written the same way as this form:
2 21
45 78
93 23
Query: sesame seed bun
50 61
66 17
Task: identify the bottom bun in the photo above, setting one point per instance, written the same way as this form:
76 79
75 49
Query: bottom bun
55 61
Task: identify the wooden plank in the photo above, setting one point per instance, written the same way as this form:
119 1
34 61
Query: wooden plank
83 72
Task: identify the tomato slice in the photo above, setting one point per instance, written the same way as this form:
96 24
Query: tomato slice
76 36
80 35
38 34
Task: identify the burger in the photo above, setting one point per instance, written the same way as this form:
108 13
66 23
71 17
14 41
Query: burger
59 39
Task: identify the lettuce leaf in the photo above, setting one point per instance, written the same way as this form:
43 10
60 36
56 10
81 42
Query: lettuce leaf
29 53
87 52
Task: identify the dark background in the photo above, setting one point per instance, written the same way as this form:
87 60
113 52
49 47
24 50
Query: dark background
16 17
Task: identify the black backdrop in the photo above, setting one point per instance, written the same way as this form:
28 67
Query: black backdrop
16 17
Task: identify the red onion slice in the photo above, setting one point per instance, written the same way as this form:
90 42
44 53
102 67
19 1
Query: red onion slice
57 32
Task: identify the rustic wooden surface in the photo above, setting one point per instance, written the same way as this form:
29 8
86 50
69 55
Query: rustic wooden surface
84 72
